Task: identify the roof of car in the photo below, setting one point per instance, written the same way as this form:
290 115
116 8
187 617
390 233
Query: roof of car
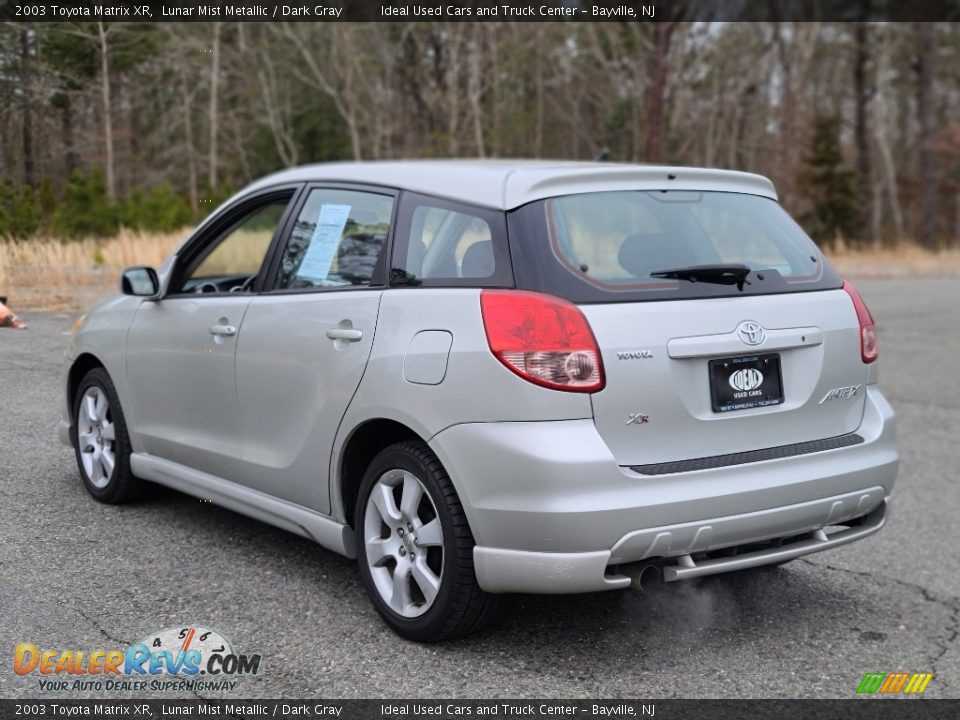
508 184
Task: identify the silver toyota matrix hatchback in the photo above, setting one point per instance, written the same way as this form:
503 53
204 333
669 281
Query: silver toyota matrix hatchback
497 377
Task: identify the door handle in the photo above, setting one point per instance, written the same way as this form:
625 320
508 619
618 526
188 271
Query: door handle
348 334
223 329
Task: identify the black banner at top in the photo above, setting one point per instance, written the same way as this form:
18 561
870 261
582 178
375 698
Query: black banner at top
483 10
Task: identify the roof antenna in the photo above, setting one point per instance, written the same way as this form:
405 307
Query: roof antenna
603 155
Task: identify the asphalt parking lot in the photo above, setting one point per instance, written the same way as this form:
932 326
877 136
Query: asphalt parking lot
78 575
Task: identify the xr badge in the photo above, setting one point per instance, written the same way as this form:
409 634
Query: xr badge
637 419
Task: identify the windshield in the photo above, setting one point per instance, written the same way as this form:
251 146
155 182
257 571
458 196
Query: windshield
609 246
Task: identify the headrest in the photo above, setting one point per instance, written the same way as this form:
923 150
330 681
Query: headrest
644 253
478 260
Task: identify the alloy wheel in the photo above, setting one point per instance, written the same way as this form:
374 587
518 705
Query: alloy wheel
96 437
403 540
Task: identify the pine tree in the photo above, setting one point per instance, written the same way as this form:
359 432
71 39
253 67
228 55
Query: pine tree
829 185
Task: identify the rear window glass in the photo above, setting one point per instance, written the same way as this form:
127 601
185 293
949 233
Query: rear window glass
610 246
446 244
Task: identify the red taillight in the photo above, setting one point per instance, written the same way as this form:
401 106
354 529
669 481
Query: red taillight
543 339
869 348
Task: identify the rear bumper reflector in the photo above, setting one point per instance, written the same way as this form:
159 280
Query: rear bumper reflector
774 453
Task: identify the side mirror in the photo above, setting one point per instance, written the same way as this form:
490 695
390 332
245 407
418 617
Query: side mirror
140 281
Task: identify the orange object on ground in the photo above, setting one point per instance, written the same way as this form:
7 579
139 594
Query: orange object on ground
8 319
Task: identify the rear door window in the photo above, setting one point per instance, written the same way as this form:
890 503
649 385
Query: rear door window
337 240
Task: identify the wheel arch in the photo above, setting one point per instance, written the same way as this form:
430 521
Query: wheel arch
84 363
361 446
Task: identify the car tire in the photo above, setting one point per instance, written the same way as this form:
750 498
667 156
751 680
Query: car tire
416 552
101 442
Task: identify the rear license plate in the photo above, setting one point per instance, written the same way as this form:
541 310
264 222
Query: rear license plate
745 382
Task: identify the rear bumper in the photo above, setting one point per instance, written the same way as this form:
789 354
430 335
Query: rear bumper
514 571
553 512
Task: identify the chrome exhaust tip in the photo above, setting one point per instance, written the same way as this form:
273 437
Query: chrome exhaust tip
643 578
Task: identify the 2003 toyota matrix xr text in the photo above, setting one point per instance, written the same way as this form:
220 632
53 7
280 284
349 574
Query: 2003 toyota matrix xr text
497 377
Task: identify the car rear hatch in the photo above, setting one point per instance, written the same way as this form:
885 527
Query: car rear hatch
662 403
721 327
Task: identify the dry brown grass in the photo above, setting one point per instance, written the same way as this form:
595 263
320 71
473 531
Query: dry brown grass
241 254
47 274
898 261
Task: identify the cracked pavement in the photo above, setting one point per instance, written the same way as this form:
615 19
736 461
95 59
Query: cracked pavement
78 575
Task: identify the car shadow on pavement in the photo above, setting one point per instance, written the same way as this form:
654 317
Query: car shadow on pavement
727 608
285 595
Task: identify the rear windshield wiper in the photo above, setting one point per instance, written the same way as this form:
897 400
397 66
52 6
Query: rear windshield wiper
730 274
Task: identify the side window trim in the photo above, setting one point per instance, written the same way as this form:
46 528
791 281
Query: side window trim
271 269
495 219
280 239
216 226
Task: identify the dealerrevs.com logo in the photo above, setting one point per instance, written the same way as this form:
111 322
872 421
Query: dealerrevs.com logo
895 683
181 658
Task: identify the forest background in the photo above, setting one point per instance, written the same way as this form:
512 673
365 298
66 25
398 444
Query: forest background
115 137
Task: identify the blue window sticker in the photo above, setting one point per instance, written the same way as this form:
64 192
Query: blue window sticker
323 246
